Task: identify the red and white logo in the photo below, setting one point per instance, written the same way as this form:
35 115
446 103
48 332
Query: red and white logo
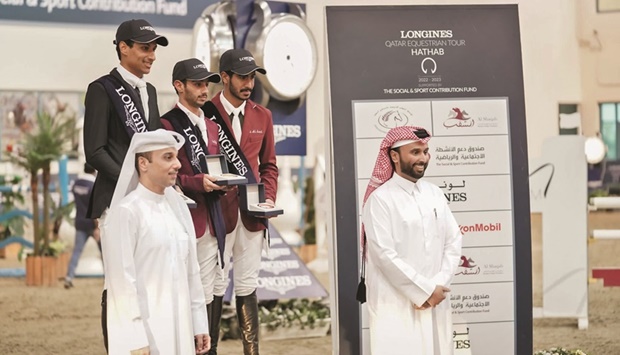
458 118
467 266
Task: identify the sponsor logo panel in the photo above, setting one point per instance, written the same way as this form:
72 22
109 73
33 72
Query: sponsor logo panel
479 156
468 338
373 119
470 117
472 303
485 265
476 193
485 228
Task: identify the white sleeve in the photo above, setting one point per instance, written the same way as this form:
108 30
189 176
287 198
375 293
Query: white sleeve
451 249
119 243
381 248
196 291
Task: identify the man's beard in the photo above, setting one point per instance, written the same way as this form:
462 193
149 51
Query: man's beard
238 93
410 171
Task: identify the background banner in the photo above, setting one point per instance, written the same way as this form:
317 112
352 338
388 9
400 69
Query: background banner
160 13
455 70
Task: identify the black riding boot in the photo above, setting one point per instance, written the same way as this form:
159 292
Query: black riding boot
214 314
104 318
247 313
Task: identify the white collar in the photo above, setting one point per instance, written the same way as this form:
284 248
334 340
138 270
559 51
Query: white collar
196 120
406 184
230 108
148 194
128 76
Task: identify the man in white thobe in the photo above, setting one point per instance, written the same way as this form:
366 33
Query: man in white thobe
413 248
155 299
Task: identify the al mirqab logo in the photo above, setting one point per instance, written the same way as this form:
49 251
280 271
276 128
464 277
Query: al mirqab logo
458 118
392 117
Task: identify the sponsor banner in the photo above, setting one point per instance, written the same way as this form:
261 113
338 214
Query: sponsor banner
489 302
475 111
160 13
468 155
470 117
282 275
485 265
373 119
474 338
476 193
480 229
289 131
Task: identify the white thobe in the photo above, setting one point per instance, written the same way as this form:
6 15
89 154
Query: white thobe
155 296
414 244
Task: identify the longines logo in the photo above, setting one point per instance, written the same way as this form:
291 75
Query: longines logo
283 131
283 284
276 267
391 117
458 118
460 337
425 34
454 196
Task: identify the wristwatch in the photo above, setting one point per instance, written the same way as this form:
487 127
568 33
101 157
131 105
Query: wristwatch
214 33
283 44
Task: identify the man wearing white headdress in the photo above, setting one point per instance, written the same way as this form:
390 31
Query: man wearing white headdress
156 304
413 247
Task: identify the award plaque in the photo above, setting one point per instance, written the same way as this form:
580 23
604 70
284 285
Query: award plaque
217 167
252 201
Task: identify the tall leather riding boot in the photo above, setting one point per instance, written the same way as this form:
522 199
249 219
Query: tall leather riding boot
214 314
104 318
247 313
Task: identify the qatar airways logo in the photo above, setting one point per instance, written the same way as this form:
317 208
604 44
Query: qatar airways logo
481 227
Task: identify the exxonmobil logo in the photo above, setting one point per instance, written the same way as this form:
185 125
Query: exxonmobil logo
481 227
